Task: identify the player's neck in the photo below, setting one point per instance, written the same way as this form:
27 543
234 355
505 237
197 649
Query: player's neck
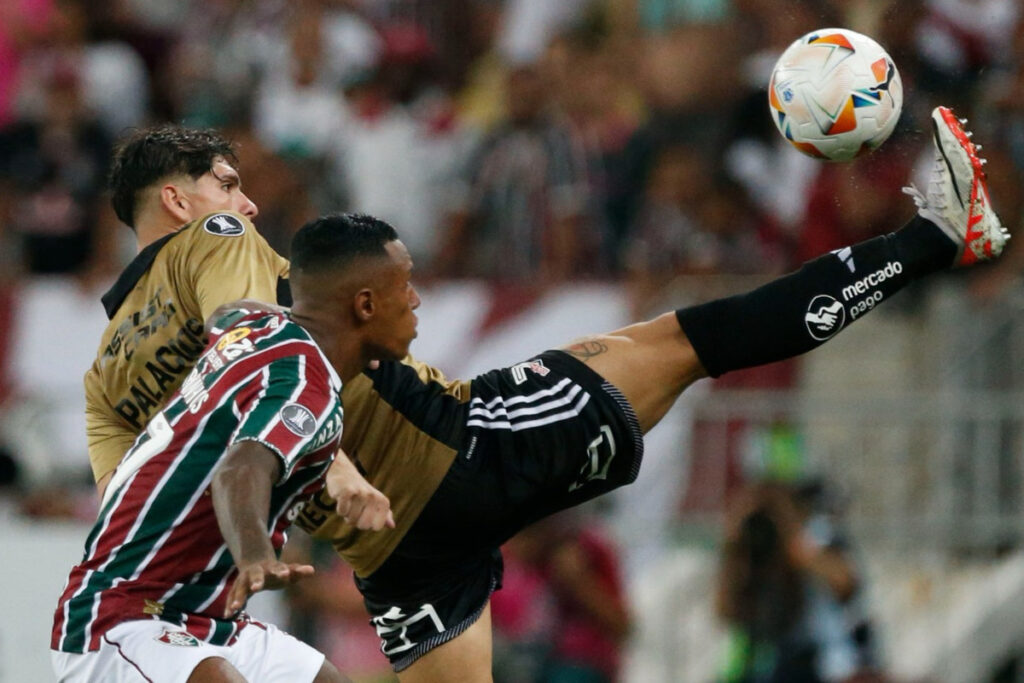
146 235
153 225
342 347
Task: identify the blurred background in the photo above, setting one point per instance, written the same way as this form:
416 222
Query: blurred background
558 168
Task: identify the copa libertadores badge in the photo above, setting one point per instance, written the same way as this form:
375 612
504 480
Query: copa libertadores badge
298 419
223 224
825 316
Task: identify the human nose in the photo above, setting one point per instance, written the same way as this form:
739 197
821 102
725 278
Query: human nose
249 208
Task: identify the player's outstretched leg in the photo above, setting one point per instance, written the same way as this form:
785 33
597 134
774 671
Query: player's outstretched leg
652 362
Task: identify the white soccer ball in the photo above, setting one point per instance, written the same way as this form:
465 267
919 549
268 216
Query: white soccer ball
835 94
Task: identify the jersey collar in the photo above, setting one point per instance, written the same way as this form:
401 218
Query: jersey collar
130 276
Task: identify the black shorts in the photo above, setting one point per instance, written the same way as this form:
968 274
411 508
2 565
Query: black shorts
541 436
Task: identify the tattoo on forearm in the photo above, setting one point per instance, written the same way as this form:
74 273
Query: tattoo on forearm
587 348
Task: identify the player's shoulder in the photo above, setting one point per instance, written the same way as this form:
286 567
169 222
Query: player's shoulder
221 232
262 326
228 318
411 375
237 331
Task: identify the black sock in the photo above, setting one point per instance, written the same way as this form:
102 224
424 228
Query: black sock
802 310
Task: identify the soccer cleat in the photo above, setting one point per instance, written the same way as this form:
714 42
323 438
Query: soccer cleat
956 199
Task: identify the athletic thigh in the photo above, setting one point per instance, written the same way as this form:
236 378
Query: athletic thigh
466 658
651 363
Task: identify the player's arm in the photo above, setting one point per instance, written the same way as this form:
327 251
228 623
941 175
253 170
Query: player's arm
240 491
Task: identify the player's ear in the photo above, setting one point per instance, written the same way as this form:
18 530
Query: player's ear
175 202
364 305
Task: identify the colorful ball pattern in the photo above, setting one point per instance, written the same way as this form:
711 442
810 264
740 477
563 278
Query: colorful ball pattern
835 94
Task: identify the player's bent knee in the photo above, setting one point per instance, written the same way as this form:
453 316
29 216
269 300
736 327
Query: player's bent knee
329 674
215 670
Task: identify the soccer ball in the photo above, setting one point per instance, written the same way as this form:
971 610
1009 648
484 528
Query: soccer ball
835 94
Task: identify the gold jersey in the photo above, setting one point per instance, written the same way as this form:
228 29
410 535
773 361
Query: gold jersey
404 424
157 309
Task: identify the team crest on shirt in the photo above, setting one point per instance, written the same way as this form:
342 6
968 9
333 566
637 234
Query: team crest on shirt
298 419
223 224
180 638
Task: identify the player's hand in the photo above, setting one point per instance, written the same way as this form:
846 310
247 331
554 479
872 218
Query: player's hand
265 575
356 500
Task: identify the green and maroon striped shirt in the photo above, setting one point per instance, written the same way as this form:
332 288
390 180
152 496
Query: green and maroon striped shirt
156 551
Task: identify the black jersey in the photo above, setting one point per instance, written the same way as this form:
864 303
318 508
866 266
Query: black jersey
466 466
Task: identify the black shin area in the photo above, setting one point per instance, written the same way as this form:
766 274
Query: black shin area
802 310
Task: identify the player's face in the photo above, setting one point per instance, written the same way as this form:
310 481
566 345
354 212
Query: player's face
220 189
398 300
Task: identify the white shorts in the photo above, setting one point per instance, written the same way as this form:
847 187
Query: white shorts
160 652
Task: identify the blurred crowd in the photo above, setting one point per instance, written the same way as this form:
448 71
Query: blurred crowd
523 142
518 140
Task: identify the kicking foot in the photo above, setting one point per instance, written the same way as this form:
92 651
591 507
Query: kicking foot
956 199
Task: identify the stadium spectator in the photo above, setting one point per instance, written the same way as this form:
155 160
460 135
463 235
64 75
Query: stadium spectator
590 68
789 591
687 226
113 80
22 24
957 41
520 199
684 75
398 147
563 605
54 161
213 69
298 104
755 154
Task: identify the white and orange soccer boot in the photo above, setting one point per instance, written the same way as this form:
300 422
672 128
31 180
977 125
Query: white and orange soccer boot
956 199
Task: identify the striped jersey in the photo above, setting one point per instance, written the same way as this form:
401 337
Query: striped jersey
156 551
156 310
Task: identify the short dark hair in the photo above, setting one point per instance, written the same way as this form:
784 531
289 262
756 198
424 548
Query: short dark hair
146 155
334 240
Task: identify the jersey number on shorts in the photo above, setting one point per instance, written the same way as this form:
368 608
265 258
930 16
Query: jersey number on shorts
600 454
394 625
